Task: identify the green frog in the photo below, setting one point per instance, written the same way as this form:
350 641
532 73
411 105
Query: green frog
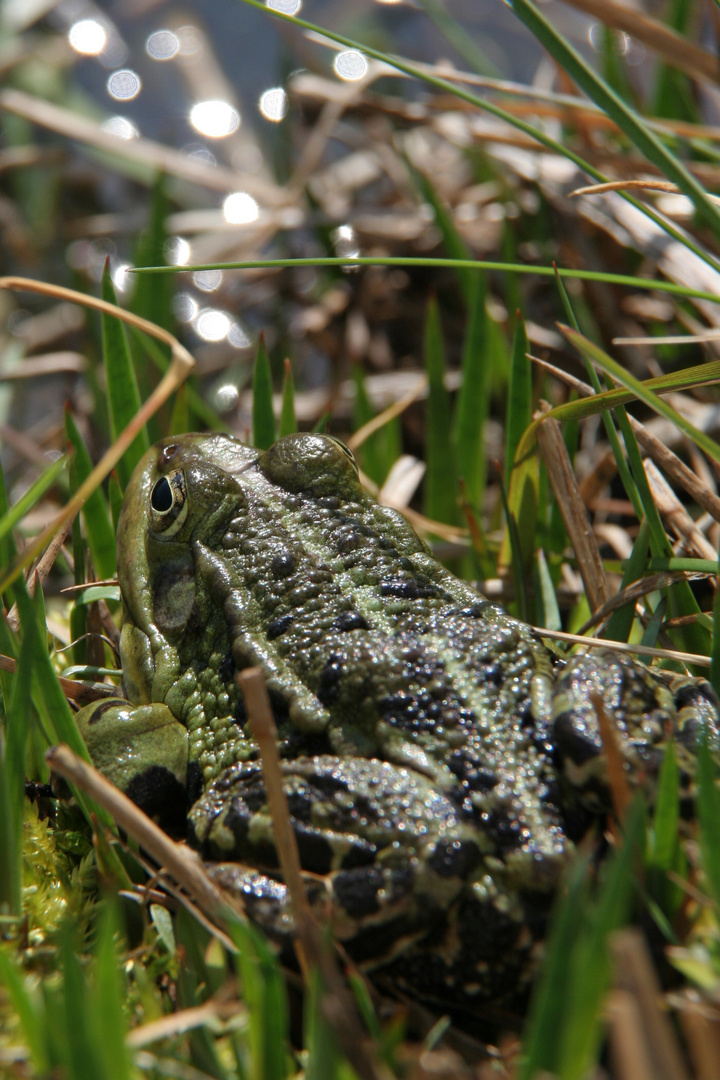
439 762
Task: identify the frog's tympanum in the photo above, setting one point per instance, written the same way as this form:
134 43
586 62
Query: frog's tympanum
438 762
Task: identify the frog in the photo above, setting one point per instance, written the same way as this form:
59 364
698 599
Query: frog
440 762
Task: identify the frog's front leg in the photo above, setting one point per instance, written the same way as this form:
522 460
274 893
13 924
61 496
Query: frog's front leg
648 708
143 750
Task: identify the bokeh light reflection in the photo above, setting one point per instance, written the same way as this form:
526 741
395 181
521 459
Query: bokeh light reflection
124 85
214 119
162 45
287 7
274 104
240 208
350 65
207 280
121 279
212 324
88 37
184 307
121 127
226 397
177 251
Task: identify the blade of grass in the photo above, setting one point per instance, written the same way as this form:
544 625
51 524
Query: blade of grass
715 651
441 480
590 965
154 304
98 525
518 414
708 812
548 1008
420 260
29 1012
263 415
20 718
453 242
122 389
664 834
473 399
264 995
621 621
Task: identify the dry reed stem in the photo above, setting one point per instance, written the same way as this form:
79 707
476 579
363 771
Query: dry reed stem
634 185
337 1003
154 156
701 1027
573 511
616 777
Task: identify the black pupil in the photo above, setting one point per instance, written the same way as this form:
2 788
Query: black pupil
162 496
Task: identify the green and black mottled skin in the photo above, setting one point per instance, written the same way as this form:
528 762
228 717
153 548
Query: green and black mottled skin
426 738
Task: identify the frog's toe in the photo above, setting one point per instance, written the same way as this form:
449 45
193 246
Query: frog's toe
698 711
144 751
638 703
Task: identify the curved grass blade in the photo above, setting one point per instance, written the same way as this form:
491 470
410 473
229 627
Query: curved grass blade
447 86
637 131
34 493
453 264
642 391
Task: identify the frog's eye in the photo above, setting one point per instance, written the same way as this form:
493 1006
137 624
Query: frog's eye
168 504
346 451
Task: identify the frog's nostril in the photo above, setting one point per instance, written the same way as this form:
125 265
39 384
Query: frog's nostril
167 454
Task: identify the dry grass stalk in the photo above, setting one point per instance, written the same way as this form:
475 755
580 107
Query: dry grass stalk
676 50
627 1039
184 865
636 976
181 364
154 156
624 646
617 780
675 515
82 692
574 514
633 185
701 1028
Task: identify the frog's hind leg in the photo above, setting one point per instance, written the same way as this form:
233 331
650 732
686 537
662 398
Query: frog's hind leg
646 707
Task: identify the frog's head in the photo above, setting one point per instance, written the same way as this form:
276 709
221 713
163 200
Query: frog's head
183 489
183 492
